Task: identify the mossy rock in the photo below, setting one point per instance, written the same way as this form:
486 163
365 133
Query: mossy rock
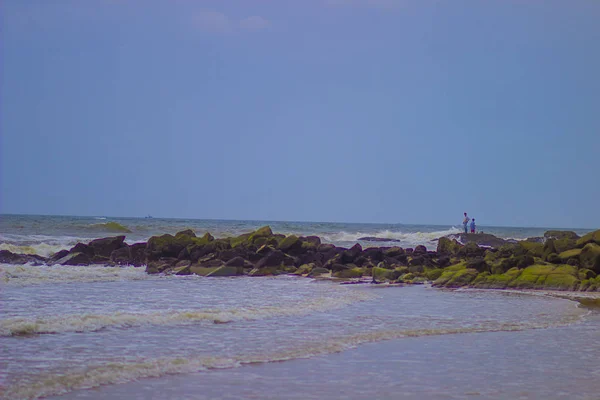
240 240
564 244
456 278
304 269
559 277
318 272
393 252
265 231
433 274
406 277
456 267
448 246
586 274
266 271
288 243
566 255
382 274
561 235
496 281
532 248
590 257
349 273
202 271
592 237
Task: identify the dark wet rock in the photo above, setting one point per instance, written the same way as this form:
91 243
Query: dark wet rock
56 256
275 259
105 246
7 257
478 264
187 232
226 271
470 250
289 243
236 262
121 256
75 259
350 255
377 239
420 249
161 265
561 235
83 248
480 239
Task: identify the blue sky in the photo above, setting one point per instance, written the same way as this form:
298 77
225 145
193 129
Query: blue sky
319 110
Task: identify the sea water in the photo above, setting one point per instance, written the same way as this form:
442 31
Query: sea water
115 332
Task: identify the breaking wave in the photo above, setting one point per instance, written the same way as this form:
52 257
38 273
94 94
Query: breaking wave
402 238
60 382
94 322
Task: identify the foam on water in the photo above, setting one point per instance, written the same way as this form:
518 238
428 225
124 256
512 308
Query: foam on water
93 322
406 238
60 382
24 275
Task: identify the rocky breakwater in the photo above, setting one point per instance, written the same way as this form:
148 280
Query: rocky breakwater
559 261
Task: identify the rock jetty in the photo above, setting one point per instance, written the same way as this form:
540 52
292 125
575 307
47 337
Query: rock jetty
560 260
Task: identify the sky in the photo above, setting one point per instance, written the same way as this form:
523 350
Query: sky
390 111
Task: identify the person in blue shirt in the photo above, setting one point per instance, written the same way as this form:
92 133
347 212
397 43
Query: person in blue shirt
473 225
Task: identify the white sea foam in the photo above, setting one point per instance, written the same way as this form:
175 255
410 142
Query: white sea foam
19 326
60 382
25 275
405 238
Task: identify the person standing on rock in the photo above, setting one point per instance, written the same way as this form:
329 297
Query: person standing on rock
473 225
466 222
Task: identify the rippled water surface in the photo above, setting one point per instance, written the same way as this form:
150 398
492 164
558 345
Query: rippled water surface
107 326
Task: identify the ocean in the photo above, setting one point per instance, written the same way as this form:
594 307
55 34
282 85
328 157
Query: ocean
102 332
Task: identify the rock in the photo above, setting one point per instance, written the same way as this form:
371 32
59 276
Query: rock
564 244
392 252
160 265
7 257
187 232
289 243
326 248
589 257
349 273
471 249
166 246
561 235
481 239
305 269
54 257
105 246
83 248
121 256
182 268
350 255
456 278
75 259
377 239
266 271
318 272
382 274
478 264
237 262
565 256
420 249
592 237
535 249
448 246
275 259
553 258
202 269
226 271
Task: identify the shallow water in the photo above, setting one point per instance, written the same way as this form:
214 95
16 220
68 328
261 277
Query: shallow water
110 326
